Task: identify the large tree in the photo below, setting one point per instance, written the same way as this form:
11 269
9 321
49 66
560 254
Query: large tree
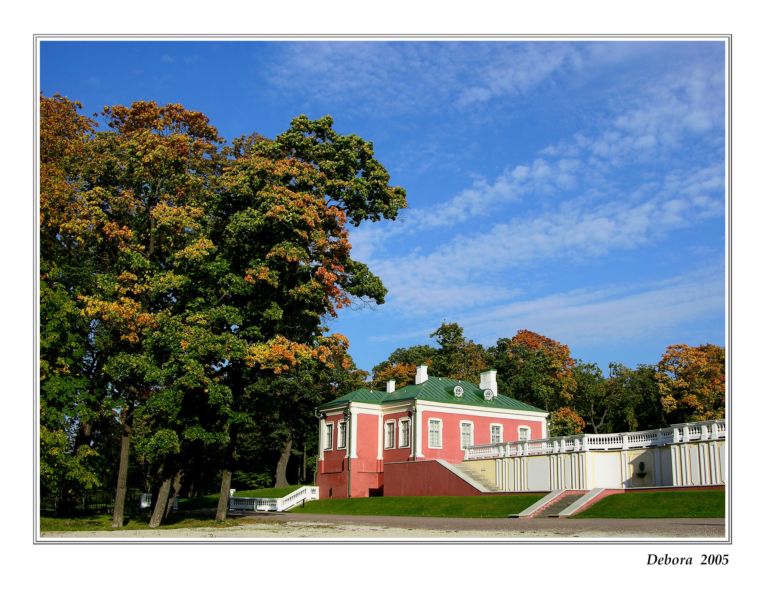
535 369
280 225
76 424
692 382
456 356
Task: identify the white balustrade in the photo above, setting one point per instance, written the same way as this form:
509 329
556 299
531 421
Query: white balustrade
682 432
305 493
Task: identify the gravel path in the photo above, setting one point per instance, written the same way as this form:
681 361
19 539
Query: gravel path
288 526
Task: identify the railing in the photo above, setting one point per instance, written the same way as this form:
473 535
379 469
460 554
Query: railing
302 494
675 434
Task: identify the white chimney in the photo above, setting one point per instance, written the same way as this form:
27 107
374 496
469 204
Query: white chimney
421 376
489 381
391 386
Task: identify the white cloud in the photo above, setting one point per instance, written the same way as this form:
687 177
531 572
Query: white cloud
584 317
607 315
455 274
393 77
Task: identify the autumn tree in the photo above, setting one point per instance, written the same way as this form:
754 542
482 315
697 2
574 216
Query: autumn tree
534 369
565 421
401 365
692 382
76 418
280 226
457 357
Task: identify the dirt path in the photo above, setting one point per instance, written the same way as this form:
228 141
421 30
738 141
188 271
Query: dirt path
305 526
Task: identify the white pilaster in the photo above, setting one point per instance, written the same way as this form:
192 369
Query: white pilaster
354 418
380 436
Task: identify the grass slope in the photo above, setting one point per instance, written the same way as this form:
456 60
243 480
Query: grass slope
420 506
658 505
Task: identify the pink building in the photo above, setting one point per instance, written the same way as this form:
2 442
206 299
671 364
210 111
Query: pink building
436 418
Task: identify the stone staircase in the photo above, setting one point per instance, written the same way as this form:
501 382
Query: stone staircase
481 472
557 506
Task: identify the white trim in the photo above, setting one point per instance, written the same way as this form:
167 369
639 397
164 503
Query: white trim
345 436
352 434
441 433
380 436
399 433
419 429
393 434
394 408
478 411
502 430
331 425
529 433
460 433
322 423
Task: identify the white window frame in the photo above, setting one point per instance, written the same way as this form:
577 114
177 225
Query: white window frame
342 425
329 427
528 431
491 425
389 444
471 430
439 432
409 433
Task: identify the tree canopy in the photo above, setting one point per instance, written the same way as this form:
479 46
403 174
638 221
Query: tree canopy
182 280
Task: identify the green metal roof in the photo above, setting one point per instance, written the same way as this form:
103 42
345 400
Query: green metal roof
434 389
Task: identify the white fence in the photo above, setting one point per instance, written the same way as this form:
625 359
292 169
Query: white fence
303 494
675 434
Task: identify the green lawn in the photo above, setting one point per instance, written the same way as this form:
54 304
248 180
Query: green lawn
420 506
657 505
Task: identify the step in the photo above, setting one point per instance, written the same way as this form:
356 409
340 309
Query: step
553 509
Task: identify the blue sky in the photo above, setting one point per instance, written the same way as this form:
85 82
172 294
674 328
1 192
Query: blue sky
573 188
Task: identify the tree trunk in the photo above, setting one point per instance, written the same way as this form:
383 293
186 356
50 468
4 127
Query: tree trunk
176 491
281 474
223 494
303 475
122 474
161 504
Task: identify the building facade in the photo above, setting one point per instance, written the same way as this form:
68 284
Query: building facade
436 418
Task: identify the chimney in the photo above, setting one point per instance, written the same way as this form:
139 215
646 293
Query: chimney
489 381
421 376
391 386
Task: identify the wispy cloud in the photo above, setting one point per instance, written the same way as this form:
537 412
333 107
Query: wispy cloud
397 77
641 133
453 274
591 316
609 315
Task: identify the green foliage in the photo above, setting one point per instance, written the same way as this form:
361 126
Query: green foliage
179 279
534 369
565 421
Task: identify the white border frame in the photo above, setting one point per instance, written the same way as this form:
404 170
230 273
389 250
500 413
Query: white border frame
399 433
460 433
441 433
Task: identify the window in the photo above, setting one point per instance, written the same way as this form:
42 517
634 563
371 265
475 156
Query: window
328 436
495 433
466 434
523 434
342 434
389 443
434 433
404 433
